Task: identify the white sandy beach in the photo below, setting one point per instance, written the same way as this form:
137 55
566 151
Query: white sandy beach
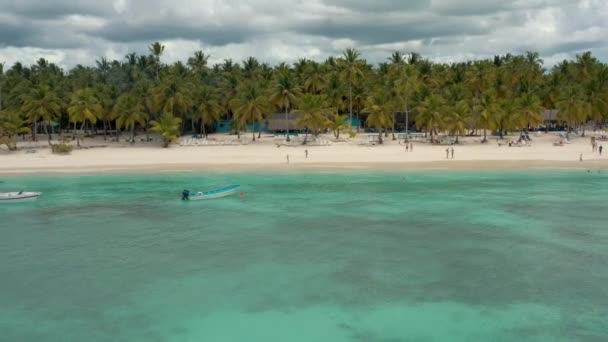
265 155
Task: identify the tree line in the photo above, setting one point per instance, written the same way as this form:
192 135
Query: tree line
504 93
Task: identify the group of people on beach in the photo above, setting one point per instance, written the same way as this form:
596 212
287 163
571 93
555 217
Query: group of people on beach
447 153
595 147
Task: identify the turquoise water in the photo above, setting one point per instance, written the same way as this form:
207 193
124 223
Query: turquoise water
308 257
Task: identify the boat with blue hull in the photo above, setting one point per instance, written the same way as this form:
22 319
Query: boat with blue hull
211 194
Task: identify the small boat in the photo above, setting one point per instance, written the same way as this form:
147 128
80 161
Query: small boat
14 197
215 193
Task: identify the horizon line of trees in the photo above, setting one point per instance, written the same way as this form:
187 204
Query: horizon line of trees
505 93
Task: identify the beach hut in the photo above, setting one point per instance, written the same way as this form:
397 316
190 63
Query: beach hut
277 122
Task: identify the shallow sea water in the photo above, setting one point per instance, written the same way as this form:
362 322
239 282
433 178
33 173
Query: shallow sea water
379 257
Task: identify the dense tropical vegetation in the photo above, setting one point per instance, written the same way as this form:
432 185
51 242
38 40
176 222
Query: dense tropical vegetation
141 93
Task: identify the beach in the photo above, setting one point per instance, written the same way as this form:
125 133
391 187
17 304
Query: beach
264 155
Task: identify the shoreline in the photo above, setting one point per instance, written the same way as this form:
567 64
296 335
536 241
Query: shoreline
450 165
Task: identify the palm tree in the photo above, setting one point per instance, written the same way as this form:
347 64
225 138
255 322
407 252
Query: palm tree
156 50
251 67
529 111
208 109
168 127
486 109
314 77
406 83
1 82
129 111
250 105
572 106
11 124
313 111
198 62
396 58
336 124
107 96
284 94
335 93
84 106
455 120
350 70
431 113
506 115
41 103
174 95
381 107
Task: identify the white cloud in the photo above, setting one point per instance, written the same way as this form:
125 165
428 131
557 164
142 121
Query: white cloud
69 32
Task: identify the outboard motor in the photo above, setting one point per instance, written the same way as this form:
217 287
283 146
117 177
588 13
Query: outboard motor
185 195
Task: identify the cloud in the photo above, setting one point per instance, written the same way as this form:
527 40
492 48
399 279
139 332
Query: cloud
73 32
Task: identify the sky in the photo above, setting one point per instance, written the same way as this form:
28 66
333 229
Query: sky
70 32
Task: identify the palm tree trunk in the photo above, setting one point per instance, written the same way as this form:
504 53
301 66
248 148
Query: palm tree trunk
34 130
254 131
287 123
259 130
105 130
147 128
394 121
350 101
407 120
202 130
380 137
133 133
46 129
485 139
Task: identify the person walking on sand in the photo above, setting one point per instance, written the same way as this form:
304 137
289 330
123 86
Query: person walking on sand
306 153
600 149
580 158
447 153
288 159
411 147
452 153
407 147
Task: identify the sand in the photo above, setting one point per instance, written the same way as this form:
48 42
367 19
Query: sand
104 156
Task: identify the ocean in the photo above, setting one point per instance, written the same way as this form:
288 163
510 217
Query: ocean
374 257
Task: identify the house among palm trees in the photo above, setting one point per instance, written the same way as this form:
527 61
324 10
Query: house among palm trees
278 123
551 120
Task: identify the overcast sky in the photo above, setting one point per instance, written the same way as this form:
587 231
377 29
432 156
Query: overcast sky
69 32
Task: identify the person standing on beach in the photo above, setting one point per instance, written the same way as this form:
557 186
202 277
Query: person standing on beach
452 153
407 147
447 153
581 157
306 153
411 147
288 159
600 149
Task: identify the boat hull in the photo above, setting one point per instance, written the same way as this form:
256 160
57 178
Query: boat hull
18 197
218 193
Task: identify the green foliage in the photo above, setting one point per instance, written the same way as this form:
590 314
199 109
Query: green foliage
168 127
62 148
313 110
504 92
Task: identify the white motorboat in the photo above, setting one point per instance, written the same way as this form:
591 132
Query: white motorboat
215 193
15 197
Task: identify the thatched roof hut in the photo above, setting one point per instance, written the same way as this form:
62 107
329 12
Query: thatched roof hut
276 122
